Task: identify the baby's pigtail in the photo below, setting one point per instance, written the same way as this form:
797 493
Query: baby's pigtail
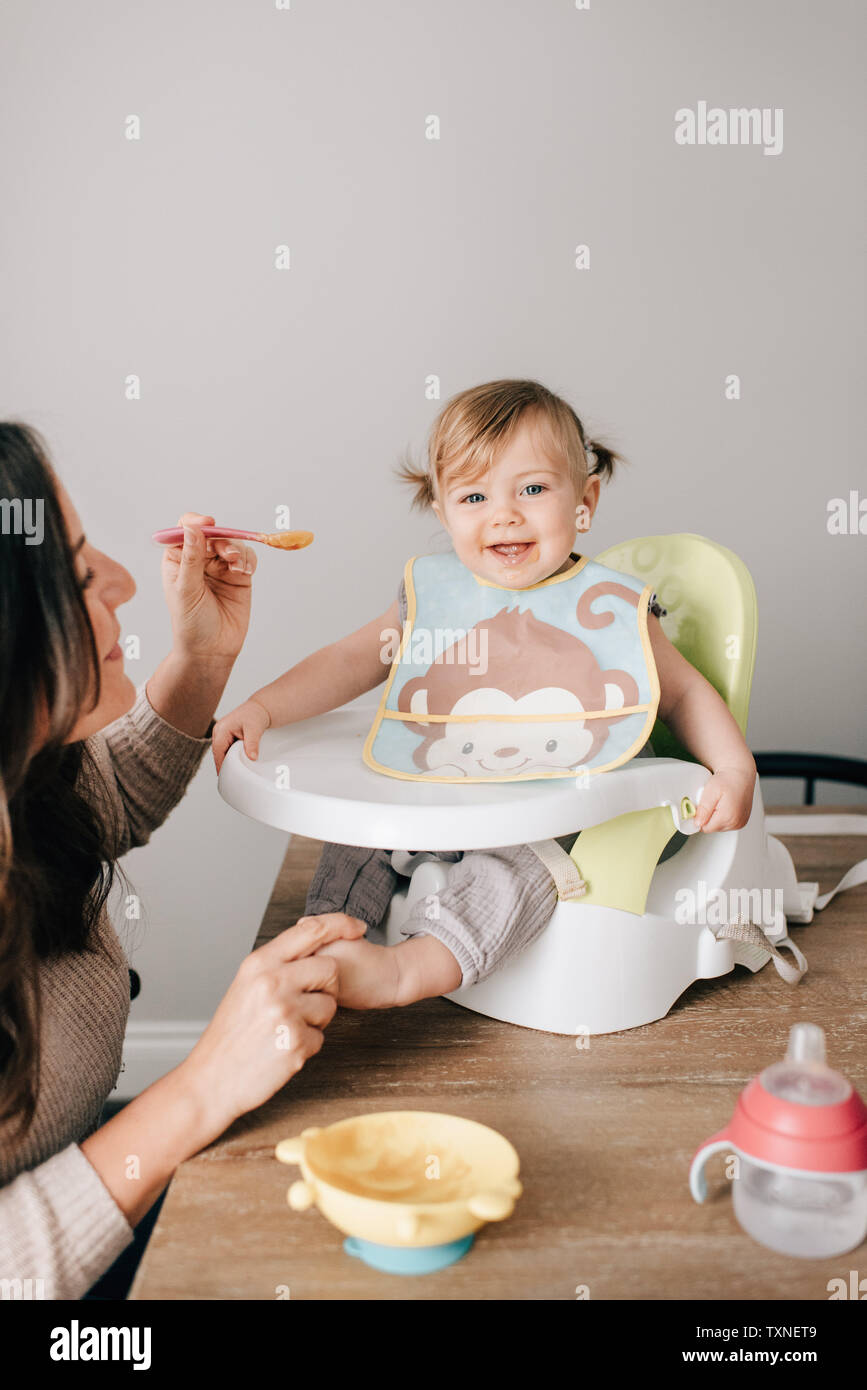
419 478
601 460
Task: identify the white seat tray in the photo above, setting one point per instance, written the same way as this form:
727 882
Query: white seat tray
310 779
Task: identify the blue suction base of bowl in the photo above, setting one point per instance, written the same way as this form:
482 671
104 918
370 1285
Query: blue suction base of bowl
407 1259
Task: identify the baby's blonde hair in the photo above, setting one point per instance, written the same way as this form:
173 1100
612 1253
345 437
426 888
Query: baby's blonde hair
475 425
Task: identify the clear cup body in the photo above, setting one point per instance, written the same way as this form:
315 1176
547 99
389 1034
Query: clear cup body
811 1216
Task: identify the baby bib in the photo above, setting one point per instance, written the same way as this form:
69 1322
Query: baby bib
491 684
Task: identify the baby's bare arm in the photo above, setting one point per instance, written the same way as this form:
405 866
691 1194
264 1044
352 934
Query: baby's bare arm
703 723
333 675
697 716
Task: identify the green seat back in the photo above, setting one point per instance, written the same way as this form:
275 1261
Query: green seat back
712 615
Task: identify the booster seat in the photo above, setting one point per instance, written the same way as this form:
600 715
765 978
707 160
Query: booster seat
645 927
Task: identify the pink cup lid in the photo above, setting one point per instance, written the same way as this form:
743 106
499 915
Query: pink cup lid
800 1113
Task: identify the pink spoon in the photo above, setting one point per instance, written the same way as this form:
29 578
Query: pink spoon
281 540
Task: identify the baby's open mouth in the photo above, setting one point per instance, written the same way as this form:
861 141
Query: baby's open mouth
513 552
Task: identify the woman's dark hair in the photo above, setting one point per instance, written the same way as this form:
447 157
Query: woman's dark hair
54 873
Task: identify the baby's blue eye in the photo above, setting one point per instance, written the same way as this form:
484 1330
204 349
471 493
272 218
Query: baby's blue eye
536 485
473 495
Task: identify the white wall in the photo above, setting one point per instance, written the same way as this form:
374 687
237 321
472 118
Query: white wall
412 257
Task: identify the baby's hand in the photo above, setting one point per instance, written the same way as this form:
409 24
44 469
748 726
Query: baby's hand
726 799
248 722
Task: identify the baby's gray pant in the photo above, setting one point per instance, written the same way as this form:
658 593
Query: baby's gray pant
495 903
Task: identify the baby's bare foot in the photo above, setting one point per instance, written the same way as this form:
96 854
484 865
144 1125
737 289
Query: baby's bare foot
385 977
369 975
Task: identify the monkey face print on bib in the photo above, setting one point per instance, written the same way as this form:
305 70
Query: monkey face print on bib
491 684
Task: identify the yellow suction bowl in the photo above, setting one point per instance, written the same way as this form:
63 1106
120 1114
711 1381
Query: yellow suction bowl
404 1177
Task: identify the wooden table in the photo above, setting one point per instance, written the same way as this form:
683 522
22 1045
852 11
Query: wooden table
605 1135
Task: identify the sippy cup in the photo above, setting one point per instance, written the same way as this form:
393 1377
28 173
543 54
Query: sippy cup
799 1131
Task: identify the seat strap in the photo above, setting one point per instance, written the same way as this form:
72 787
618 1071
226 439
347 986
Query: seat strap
841 823
562 868
856 875
753 935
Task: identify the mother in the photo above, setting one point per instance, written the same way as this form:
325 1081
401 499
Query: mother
88 769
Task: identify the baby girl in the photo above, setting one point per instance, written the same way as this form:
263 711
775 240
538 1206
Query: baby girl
512 476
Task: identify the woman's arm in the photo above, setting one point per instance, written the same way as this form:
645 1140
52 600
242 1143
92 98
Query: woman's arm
136 1152
59 1228
185 691
268 1023
146 766
151 754
148 756
65 1221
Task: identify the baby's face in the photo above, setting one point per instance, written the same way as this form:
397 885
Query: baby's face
515 525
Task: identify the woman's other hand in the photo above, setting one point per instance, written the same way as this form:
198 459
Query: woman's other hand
269 1022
